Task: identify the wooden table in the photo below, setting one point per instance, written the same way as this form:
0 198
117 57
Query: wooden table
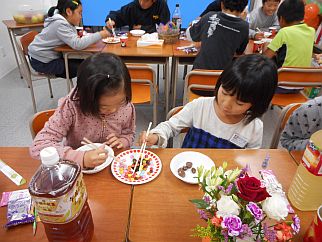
146 55
108 200
161 210
15 29
297 155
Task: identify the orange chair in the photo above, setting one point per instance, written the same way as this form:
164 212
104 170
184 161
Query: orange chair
38 121
199 80
29 74
172 112
144 88
296 77
284 116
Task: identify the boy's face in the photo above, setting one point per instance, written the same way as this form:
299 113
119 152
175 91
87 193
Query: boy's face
145 4
270 7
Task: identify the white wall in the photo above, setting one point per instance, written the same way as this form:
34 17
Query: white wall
7 8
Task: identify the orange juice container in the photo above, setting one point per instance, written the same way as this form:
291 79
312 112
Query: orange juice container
305 192
59 194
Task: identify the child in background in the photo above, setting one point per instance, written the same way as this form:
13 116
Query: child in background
304 121
140 14
294 36
222 34
98 108
263 18
230 119
59 29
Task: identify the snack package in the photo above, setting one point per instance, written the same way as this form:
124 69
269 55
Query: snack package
14 195
19 211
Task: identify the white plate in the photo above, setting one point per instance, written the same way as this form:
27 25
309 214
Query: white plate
101 166
112 40
137 32
121 172
197 160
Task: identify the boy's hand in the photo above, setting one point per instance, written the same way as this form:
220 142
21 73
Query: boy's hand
114 141
105 33
152 139
110 24
95 157
137 26
259 36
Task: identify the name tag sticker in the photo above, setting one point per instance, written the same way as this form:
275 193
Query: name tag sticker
238 140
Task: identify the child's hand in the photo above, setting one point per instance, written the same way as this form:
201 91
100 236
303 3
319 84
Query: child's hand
259 36
318 58
95 157
114 141
137 26
105 33
110 24
152 139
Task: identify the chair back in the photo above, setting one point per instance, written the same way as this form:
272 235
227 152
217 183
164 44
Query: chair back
284 116
300 76
199 80
38 121
143 85
171 113
26 39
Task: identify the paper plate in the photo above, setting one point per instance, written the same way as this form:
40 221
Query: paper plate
112 40
197 159
102 166
137 32
122 172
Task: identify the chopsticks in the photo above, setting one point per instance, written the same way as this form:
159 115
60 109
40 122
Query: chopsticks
259 30
86 141
142 148
113 31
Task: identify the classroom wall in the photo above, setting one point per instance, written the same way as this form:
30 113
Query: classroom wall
7 60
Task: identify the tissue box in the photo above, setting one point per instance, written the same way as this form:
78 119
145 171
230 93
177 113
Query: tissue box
149 40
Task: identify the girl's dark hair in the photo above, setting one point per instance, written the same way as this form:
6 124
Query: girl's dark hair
264 1
291 10
62 5
235 5
253 79
100 74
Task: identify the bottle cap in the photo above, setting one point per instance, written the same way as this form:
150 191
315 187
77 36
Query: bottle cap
49 156
177 4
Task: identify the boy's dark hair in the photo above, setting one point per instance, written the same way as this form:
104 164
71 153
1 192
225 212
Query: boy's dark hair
291 10
264 1
235 5
100 74
62 5
253 79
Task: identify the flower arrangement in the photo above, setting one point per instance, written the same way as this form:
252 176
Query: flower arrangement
238 207
169 28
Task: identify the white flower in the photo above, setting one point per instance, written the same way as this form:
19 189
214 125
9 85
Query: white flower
275 207
227 206
212 183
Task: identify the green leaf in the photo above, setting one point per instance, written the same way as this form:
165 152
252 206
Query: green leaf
199 203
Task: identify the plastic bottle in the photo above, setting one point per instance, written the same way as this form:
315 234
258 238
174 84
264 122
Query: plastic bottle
59 194
176 16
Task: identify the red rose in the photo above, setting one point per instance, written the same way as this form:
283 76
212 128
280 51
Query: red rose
250 189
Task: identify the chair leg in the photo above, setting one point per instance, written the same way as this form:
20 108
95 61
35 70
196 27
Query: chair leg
158 74
33 97
50 88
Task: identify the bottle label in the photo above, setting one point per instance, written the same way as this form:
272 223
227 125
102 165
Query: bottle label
312 158
62 209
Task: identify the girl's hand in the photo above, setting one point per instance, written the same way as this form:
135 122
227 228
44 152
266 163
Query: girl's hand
114 141
105 33
95 157
152 139
110 24
259 36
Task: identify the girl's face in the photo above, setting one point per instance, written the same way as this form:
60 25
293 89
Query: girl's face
229 107
270 7
111 103
74 17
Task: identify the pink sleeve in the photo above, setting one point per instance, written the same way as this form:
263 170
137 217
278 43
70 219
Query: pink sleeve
54 131
128 132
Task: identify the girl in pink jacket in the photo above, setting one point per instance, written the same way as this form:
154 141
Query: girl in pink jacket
98 108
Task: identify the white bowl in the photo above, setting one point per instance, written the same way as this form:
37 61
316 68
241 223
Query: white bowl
137 32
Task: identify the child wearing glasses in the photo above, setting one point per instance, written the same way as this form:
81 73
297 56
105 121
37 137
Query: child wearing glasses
98 108
230 120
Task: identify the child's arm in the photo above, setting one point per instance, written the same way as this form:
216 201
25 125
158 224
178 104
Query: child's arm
194 32
257 135
269 53
120 17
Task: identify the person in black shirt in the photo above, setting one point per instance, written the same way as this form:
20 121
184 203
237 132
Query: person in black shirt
222 34
140 14
215 6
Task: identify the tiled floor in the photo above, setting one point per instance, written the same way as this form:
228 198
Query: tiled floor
16 108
